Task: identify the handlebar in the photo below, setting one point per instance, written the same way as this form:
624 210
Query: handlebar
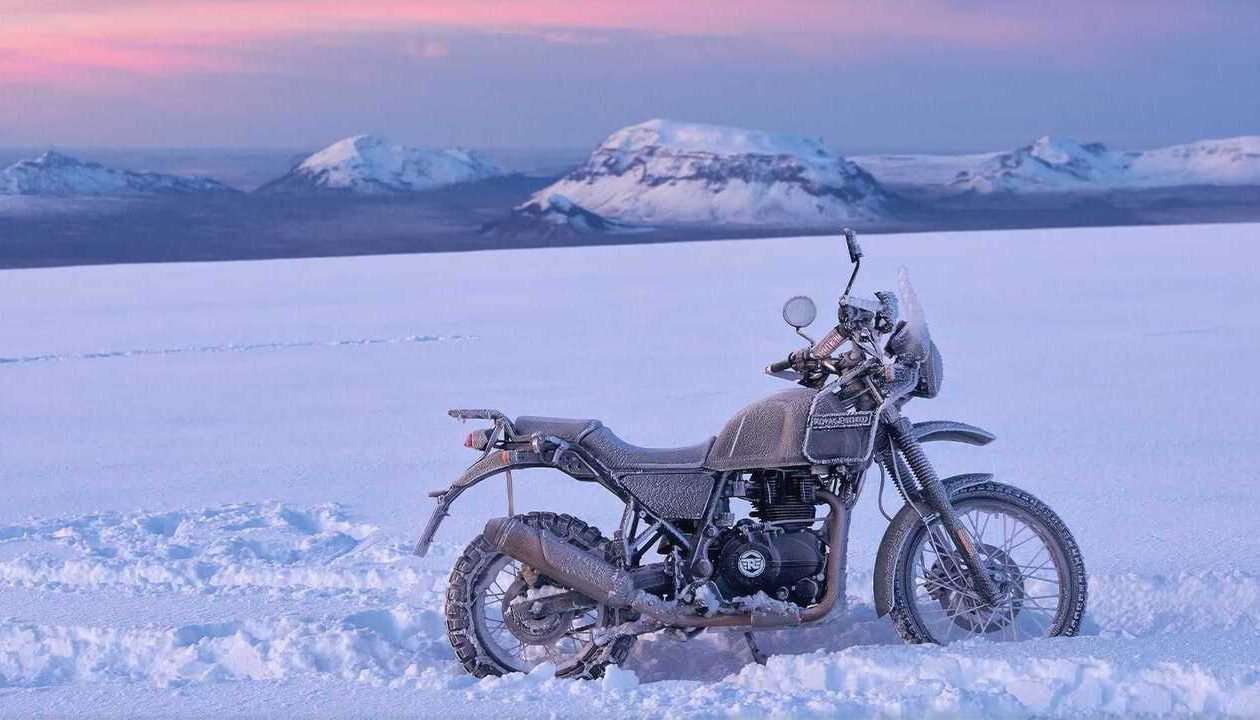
829 344
819 351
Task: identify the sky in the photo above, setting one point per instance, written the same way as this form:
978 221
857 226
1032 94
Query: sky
864 75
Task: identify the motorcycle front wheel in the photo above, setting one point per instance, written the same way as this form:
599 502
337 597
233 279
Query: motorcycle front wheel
1027 550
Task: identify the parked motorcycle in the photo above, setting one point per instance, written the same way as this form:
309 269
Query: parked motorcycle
726 533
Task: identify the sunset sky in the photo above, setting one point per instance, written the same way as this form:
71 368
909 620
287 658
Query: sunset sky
864 75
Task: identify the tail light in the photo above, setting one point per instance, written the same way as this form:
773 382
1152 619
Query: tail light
478 440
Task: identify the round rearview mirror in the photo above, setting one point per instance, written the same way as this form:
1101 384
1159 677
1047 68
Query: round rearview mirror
799 312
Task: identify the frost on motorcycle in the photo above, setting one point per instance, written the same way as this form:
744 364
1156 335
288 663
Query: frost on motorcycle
965 557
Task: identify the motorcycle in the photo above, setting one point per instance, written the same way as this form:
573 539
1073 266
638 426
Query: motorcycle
733 524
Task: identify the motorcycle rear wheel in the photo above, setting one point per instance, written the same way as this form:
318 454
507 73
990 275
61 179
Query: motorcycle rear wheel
489 640
1026 548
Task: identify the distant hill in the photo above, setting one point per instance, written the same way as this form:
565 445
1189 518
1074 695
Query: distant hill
370 165
1060 165
55 175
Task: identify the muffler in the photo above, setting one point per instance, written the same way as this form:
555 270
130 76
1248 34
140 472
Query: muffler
571 566
606 583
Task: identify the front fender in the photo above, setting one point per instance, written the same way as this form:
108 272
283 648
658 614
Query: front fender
905 521
951 431
489 465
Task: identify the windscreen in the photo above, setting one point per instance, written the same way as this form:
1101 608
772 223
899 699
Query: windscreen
917 341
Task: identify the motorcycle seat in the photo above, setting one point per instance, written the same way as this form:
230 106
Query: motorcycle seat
568 429
618 454
615 453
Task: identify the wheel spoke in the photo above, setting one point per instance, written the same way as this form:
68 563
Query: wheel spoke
1012 544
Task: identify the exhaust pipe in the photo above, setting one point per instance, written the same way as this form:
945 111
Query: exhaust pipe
600 580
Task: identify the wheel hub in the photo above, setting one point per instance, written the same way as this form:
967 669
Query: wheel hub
969 611
526 627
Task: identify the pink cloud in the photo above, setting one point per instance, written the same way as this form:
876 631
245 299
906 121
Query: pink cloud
60 38
428 49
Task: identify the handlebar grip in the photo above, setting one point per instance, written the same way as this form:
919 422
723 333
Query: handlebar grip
779 366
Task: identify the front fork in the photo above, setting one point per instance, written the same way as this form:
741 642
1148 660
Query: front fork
917 479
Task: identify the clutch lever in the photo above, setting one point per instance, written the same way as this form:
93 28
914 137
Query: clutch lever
790 375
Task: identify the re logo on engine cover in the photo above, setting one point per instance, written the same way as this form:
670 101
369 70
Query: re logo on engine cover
751 563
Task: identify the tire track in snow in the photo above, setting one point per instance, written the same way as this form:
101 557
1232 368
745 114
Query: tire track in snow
246 347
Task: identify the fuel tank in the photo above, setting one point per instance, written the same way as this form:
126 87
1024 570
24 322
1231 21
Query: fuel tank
767 433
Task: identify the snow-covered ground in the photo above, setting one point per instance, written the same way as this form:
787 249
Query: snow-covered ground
213 473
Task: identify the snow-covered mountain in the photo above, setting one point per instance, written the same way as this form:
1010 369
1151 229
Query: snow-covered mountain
561 211
1062 165
1047 165
56 175
371 165
1230 161
668 173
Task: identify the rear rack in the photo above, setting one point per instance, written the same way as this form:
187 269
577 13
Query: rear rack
476 414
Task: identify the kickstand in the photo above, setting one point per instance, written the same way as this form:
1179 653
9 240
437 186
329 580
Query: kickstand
758 656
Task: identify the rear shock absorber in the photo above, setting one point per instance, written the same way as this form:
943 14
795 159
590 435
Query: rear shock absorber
922 487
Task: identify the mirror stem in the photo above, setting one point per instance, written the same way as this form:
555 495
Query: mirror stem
856 266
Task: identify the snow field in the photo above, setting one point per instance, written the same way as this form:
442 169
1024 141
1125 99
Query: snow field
1131 660
197 532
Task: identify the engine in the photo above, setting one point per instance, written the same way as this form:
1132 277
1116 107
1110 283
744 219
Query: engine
778 552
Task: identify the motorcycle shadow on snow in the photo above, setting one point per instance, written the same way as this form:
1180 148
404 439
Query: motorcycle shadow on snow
715 654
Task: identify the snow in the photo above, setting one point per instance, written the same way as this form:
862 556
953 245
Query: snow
1051 164
919 169
214 473
369 164
55 175
671 173
1232 161
712 139
560 211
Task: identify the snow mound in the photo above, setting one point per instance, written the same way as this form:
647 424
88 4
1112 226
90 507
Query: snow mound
1060 678
371 165
374 646
231 548
669 173
55 175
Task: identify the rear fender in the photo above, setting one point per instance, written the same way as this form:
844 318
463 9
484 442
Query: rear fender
490 464
905 521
